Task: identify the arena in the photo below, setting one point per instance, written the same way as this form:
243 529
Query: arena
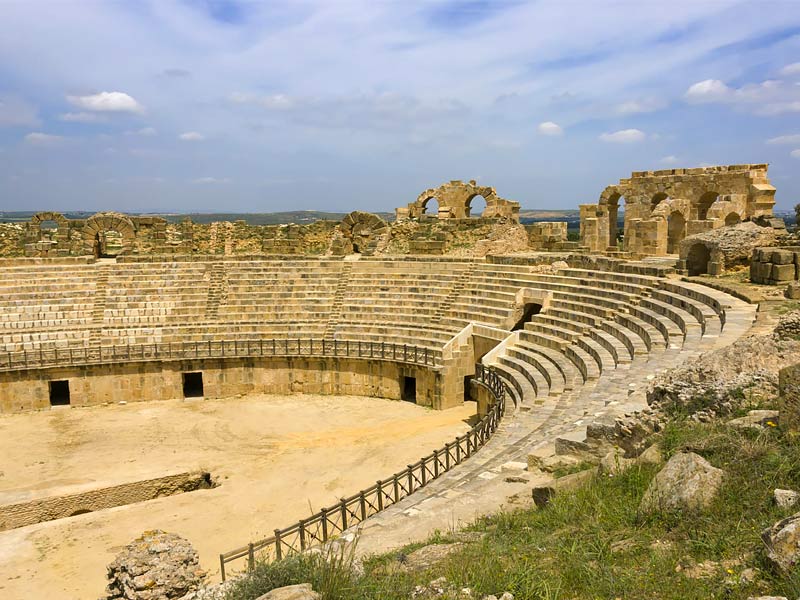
224 396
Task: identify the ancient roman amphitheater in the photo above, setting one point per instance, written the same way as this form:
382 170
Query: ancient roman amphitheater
258 390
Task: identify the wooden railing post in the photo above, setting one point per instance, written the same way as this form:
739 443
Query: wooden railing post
222 566
363 505
278 548
343 504
251 557
379 487
324 516
302 525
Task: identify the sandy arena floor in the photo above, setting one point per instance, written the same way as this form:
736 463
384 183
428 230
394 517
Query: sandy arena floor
274 457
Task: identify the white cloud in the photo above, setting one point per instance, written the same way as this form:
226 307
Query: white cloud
709 90
119 102
38 138
82 117
643 105
191 136
669 160
624 136
549 128
144 131
792 69
785 139
767 98
210 180
15 112
795 153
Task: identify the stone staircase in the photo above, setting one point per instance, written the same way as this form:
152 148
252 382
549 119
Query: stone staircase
217 290
100 300
338 298
455 292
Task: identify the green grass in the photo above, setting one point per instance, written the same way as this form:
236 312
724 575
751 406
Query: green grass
594 542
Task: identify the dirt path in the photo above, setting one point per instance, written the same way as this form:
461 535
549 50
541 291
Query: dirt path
275 457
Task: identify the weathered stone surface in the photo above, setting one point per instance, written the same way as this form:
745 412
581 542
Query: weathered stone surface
755 419
786 498
782 543
614 462
687 482
767 598
793 291
427 556
301 591
156 566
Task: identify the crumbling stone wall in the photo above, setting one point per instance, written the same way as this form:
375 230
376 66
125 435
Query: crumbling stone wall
664 207
714 251
774 265
454 200
457 237
549 235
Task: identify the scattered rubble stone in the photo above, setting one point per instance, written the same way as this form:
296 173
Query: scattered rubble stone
786 498
687 481
782 542
302 591
156 566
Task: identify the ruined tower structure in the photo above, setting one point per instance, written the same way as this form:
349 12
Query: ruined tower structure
662 207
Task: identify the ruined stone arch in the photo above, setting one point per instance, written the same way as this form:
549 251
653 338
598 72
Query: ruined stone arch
610 199
39 218
471 211
361 231
657 199
705 202
98 225
733 218
455 198
427 206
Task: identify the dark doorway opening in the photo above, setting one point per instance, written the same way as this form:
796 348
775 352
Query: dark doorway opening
530 309
59 393
468 388
193 385
410 389
697 260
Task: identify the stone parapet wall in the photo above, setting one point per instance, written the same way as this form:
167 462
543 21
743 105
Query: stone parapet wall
774 266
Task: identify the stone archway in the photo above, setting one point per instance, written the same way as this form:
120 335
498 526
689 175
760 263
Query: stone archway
476 206
430 207
704 204
362 231
697 259
733 218
610 198
96 238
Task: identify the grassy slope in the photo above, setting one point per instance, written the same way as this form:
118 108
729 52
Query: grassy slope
595 544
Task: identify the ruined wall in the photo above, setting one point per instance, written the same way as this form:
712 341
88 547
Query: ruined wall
661 208
775 266
22 391
453 200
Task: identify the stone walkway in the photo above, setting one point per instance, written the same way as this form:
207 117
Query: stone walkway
479 486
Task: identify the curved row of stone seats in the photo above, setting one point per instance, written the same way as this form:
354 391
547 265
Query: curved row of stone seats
211 331
278 290
665 314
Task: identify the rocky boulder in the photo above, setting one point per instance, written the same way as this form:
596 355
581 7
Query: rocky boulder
687 482
302 591
782 542
156 566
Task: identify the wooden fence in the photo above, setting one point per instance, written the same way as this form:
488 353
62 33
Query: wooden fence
330 522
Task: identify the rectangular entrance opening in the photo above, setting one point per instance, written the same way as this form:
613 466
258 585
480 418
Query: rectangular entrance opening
59 393
468 388
410 389
193 385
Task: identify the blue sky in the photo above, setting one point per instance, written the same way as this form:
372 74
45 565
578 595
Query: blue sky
160 105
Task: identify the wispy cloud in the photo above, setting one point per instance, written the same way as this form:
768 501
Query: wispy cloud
82 117
550 129
191 136
669 160
793 138
624 136
210 180
37 138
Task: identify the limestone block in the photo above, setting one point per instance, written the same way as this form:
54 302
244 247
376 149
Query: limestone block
783 272
782 257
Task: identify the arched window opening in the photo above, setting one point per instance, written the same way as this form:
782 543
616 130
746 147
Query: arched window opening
431 207
732 219
697 260
476 206
108 244
657 199
48 230
704 204
616 221
676 231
